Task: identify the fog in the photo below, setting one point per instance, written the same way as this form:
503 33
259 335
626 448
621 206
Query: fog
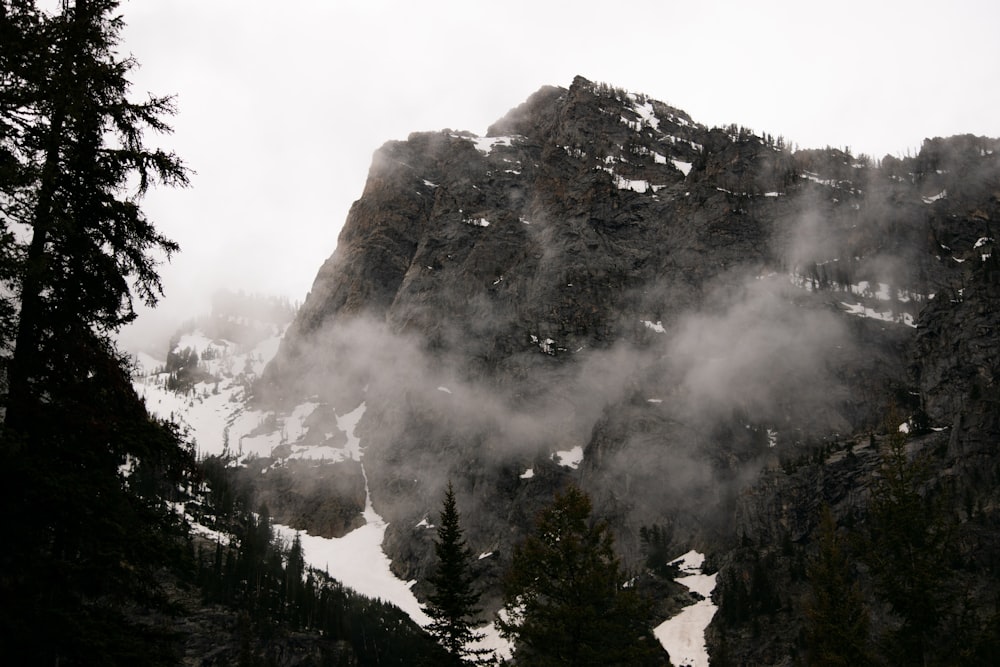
755 349
280 110
557 406
673 419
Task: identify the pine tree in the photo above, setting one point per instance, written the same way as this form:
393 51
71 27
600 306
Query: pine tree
564 598
295 587
76 167
907 546
454 605
84 469
837 621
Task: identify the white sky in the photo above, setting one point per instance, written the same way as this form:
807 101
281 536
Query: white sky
282 104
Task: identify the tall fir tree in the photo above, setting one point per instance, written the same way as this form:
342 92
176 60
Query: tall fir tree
565 602
837 620
77 166
85 470
454 604
907 546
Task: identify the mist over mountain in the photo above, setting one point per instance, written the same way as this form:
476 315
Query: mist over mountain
685 321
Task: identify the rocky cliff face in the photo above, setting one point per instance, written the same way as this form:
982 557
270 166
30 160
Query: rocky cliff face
602 276
954 431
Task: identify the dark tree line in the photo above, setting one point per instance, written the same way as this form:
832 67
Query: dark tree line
268 583
183 369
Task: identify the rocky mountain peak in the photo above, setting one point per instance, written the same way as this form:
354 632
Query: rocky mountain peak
603 290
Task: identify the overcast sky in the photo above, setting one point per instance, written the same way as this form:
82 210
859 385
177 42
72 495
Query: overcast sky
280 105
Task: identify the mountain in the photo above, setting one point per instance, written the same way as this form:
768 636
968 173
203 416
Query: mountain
703 328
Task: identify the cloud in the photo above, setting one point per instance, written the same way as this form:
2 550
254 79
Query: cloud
759 349
546 407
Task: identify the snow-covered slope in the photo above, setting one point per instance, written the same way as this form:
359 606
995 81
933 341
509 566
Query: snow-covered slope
217 416
215 410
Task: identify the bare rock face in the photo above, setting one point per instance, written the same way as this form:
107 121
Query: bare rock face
602 275
955 357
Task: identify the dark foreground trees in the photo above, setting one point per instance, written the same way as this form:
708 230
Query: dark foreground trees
564 600
85 471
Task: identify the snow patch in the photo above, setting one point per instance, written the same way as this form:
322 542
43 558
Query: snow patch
860 310
198 528
347 424
657 327
486 145
570 458
358 562
647 116
816 179
684 167
528 474
357 559
622 183
941 195
546 345
683 636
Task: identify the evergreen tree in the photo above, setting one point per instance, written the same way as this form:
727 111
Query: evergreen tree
907 549
564 599
837 621
454 605
76 167
295 585
85 470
